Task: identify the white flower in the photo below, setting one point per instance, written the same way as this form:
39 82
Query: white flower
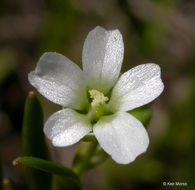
97 99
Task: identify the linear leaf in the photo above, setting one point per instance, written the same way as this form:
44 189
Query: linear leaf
65 175
33 142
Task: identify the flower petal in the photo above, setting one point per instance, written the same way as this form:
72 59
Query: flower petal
102 58
66 127
58 79
122 136
136 87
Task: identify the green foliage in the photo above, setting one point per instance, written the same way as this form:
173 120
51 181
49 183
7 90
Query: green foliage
33 142
63 178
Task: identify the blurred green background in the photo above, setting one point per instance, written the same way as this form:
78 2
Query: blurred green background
159 31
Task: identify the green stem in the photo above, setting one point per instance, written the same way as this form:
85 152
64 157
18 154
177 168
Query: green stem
84 162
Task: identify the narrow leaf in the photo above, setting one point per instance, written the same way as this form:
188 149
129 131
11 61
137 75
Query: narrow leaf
33 142
47 166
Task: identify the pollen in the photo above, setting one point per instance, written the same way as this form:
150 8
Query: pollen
97 98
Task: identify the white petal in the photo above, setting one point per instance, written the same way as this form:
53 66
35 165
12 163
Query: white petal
136 87
122 136
66 127
102 58
59 80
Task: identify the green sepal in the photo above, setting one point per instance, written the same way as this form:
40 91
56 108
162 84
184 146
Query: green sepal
62 176
33 142
142 114
88 138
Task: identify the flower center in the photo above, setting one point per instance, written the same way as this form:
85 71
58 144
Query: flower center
97 105
97 97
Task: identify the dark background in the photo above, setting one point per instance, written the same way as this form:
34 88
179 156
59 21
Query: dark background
159 31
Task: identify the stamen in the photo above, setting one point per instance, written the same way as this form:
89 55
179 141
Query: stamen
98 98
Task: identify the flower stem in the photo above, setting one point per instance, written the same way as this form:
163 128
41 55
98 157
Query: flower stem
84 162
